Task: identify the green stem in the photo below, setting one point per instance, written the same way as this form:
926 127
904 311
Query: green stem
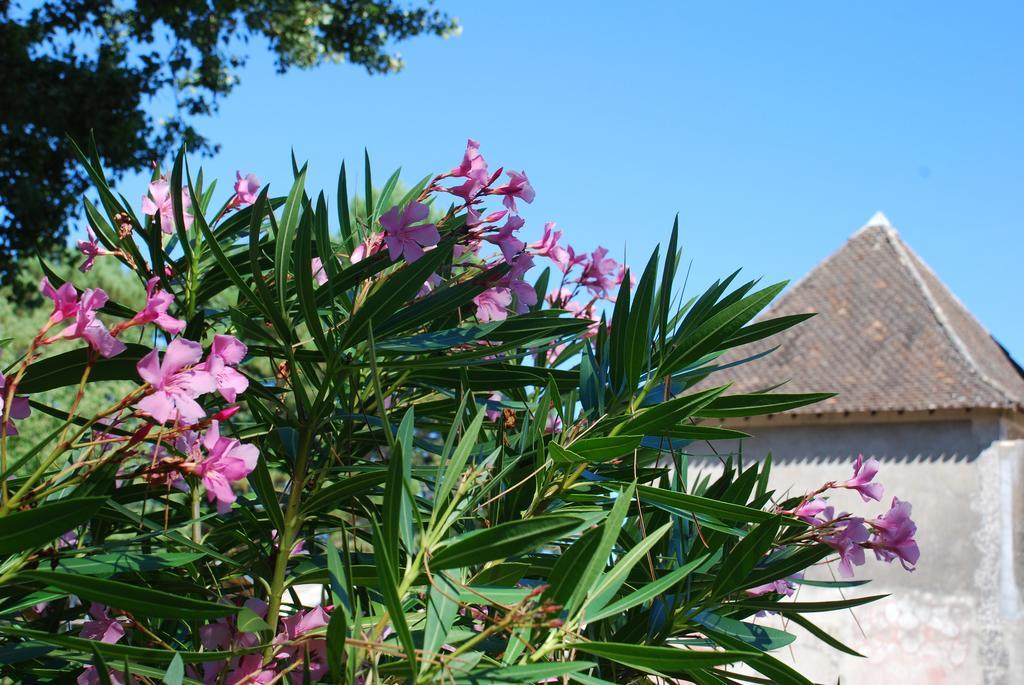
292 525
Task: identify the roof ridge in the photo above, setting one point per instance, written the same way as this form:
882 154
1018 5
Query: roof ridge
907 257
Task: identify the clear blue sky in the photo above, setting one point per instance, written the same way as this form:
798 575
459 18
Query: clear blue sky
773 129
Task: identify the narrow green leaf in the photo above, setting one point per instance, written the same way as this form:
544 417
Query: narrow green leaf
442 608
649 590
610 582
745 556
732 406
662 660
821 634
518 675
130 597
604 449
806 607
387 572
285 235
25 530
504 540
453 470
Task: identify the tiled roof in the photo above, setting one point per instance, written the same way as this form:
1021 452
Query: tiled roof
889 336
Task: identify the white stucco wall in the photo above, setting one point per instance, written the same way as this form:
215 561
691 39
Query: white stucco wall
959 618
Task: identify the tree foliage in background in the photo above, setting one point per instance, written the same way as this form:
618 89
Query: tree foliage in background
368 451
73 66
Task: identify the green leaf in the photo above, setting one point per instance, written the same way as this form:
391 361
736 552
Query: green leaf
763 329
337 632
387 572
649 590
603 449
588 572
713 331
661 660
337 494
503 541
732 406
395 290
285 236
442 608
518 675
562 455
453 470
66 369
131 597
112 563
117 651
667 416
25 530
765 665
761 637
821 634
264 487
175 671
806 607
249 621
610 582
705 505
745 556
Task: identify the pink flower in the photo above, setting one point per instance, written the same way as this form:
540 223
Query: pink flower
402 237
319 274
294 627
246 189
506 240
227 460
782 586
102 627
250 671
489 413
91 249
474 169
159 201
863 472
847 538
155 310
599 272
518 186
809 510
226 353
473 164
566 258
367 248
492 305
548 245
19 408
223 635
65 300
175 388
894 535
89 676
553 424
91 329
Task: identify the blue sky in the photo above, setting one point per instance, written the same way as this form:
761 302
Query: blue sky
773 129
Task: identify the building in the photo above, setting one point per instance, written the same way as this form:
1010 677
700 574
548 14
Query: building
924 388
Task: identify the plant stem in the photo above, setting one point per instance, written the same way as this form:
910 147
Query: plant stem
292 524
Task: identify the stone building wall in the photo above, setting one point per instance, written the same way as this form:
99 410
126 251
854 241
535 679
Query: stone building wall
958 619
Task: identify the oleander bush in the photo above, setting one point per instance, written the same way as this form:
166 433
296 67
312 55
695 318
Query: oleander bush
357 445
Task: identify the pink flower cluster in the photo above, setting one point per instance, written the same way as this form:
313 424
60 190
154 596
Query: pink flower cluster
406 235
294 647
890 536
174 382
